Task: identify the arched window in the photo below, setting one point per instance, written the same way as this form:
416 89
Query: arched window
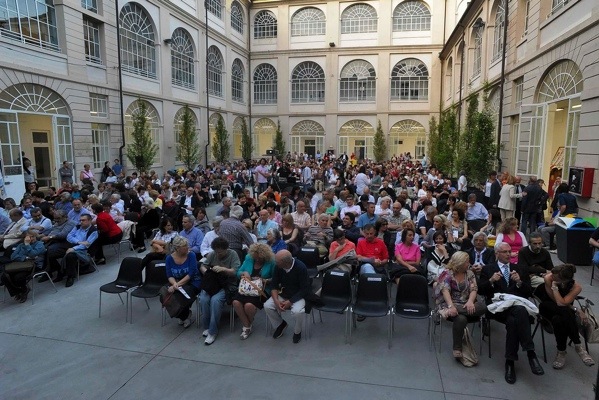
409 80
263 136
358 82
411 16
356 137
265 25
237 76
563 80
408 136
307 83
153 121
307 137
359 18
265 84
30 97
32 22
182 55
215 72
138 54
236 131
498 32
237 17
214 7
178 125
309 21
212 124
477 34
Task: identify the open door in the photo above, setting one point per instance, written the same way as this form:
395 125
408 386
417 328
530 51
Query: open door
63 143
531 139
10 144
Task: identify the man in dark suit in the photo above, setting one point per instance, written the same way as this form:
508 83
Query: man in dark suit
503 277
480 255
495 190
530 205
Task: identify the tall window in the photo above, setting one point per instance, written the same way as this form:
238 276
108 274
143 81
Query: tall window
91 40
478 49
178 123
526 15
309 21
32 22
518 90
98 105
359 18
557 4
237 80
449 78
182 59
265 25
498 33
100 144
215 72
307 83
358 82
90 5
265 84
409 80
138 52
411 16
153 121
214 7
237 17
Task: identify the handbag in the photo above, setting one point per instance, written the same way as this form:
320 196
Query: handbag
251 287
588 324
170 302
469 355
19 266
213 282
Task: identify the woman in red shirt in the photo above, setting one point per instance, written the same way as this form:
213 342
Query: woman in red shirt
108 232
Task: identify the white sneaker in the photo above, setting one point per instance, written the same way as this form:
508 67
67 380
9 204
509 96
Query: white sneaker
189 321
209 339
245 333
205 333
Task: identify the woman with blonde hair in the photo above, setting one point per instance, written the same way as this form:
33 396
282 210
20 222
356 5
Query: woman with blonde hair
182 272
259 263
507 199
456 292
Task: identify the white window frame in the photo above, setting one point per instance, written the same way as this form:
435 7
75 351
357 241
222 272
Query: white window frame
215 72
215 7
411 15
357 82
309 21
359 18
182 59
98 105
265 25
100 144
498 31
308 83
92 40
265 84
138 51
90 5
26 28
237 81
409 80
237 19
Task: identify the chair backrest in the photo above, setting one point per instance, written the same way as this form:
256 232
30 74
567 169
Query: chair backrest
309 255
412 296
336 284
372 288
130 272
126 226
156 274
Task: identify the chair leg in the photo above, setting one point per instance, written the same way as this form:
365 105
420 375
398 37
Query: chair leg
147 305
232 319
543 342
127 307
100 306
32 290
122 302
389 329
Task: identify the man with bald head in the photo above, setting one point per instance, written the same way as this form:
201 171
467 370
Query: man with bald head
290 285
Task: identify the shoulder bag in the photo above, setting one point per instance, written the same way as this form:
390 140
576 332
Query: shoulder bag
469 355
170 302
251 287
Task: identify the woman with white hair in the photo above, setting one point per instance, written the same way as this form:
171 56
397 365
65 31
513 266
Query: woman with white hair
384 208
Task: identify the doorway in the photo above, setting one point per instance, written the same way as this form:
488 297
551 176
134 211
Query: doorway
310 147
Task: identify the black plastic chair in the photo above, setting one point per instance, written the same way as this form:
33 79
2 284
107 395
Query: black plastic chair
412 300
372 300
129 277
310 256
155 280
336 295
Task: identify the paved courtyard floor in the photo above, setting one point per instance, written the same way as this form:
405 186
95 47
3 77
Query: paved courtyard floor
58 348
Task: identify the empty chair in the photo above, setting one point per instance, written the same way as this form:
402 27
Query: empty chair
309 255
412 300
372 300
336 294
127 227
129 277
155 279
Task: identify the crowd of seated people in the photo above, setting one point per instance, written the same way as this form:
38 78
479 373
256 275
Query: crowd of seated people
397 217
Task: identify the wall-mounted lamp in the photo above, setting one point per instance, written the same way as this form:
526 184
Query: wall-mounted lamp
479 23
168 41
332 44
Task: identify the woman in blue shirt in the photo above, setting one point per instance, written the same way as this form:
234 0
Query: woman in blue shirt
182 273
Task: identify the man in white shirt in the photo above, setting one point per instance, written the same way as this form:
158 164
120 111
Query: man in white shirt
307 176
462 186
351 207
301 218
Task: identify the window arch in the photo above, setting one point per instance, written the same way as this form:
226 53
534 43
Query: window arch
138 54
563 79
182 59
408 136
265 84
309 21
409 80
263 136
265 25
32 22
307 83
214 7
477 36
33 98
237 77
237 17
215 72
356 137
498 31
237 131
178 124
358 82
359 18
152 119
411 16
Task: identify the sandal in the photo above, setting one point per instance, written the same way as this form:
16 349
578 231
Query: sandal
457 354
245 333
560 360
584 356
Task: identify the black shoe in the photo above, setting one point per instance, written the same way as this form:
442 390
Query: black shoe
279 331
141 250
69 282
510 373
297 337
43 278
360 318
535 365
23 297
58 278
